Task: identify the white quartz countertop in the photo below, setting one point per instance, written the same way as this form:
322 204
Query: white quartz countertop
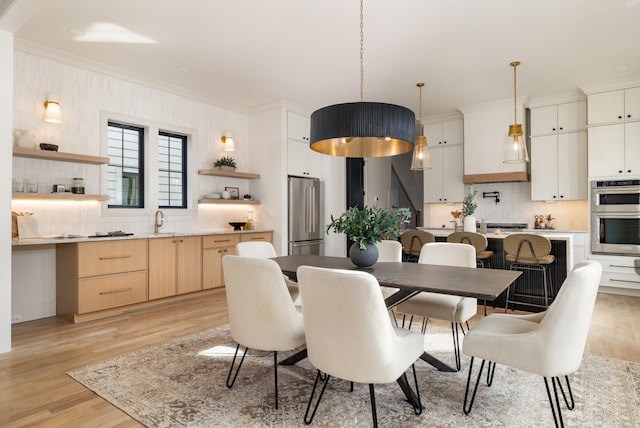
551 234
69 238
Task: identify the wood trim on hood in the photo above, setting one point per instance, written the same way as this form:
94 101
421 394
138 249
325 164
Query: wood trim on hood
498 177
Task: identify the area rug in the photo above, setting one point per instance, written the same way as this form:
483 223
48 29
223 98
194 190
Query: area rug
181 383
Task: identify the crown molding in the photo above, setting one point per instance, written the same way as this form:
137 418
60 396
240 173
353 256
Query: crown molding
118 73
556 99
444 117
610 86
493 105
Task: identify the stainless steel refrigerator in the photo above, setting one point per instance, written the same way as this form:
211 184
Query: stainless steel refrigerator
305 222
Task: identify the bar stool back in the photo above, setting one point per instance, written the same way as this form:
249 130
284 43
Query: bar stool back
526 251
412 242
479 242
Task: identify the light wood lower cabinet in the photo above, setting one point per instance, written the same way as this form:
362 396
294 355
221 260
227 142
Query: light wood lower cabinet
175 266
214 247
95 276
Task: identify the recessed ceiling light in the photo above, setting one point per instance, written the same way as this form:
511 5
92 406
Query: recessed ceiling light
107 32
621 67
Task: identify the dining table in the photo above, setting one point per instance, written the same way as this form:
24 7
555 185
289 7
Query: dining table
411 279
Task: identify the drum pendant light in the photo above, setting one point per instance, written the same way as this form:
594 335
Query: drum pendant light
515 149
421 157
362 129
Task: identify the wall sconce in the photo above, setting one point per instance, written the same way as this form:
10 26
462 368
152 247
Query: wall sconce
52 112
227 140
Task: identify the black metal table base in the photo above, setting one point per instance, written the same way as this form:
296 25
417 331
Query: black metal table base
291 360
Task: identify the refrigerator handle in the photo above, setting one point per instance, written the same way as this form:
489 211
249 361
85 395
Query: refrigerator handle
307 214
314 211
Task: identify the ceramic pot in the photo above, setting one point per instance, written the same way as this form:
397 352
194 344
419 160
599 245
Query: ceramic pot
469 224
363 258
24 139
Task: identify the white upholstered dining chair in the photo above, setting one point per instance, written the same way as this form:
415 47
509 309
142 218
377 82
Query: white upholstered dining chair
455 309
262 315
349 335
265 250
550 344
389 251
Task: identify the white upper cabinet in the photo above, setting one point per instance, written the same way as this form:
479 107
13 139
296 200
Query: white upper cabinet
614 150
554 119
444 133
614 106
559 167
298 127
301 160
443 182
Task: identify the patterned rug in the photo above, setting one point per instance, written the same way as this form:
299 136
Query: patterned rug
181 383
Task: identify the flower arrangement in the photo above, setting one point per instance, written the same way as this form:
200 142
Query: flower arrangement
456 214
227 161
469 205
370 224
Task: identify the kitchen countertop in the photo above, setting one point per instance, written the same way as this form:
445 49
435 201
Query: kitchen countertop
76 238
551 234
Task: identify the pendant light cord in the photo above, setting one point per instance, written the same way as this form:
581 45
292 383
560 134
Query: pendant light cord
361 50
515 116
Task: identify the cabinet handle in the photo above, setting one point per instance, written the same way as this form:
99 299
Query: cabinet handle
258 239
221 240
561 196
554 196
628 170
620 266
624 280
629 116
115 257
445 142
619 171
561 128
619 117
117 290
181 240
553 129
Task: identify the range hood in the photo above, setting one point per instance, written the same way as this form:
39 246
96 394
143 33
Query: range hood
485 133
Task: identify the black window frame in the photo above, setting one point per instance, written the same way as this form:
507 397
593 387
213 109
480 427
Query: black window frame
141 171
184 139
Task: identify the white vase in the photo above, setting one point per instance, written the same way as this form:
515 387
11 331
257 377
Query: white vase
469 223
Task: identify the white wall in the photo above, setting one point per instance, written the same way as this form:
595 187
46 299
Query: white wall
6 115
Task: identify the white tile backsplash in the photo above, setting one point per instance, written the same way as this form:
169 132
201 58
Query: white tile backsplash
515 206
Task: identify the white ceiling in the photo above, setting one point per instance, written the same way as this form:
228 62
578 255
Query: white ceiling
242 54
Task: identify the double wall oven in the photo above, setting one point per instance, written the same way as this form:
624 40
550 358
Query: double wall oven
615 217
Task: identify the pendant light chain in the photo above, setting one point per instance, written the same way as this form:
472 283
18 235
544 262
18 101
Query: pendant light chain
515 115
361 50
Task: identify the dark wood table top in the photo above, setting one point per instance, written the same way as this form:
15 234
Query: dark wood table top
470 282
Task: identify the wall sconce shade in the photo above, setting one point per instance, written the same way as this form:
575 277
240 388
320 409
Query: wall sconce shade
362 130
52 113
515 149
229 146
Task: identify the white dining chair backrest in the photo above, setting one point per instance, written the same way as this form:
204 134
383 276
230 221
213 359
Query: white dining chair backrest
565 325
261 312
448 254
389 251
258 249
347 327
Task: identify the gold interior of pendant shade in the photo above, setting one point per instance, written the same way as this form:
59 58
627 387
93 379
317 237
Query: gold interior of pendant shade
362 129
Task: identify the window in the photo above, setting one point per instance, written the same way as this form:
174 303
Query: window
172 170
125 172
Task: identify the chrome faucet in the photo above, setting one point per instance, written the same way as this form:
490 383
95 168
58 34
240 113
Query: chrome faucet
159 221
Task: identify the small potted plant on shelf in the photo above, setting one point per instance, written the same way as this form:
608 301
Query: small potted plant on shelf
225 163
548 224
366 227
469 207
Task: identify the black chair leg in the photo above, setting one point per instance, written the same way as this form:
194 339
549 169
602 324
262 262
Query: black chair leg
275 374
554 404
374 414
573 403
230 381
456 344
491 370
308 419
466 409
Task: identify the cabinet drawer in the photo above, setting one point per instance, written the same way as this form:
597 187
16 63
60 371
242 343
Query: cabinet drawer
620 280
258 236
110 291
217 241
103 258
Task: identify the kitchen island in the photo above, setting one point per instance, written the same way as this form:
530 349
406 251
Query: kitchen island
529 283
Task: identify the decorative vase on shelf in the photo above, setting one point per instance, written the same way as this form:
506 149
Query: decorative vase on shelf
469 224
24 139
363 258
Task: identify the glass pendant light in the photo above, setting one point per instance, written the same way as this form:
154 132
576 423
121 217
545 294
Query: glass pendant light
421 158
515 149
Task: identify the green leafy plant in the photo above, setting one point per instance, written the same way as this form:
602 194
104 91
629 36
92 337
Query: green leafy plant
549 218
469 205
225 161
370 224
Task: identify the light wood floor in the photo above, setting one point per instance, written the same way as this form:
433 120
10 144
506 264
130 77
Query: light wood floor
35 390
